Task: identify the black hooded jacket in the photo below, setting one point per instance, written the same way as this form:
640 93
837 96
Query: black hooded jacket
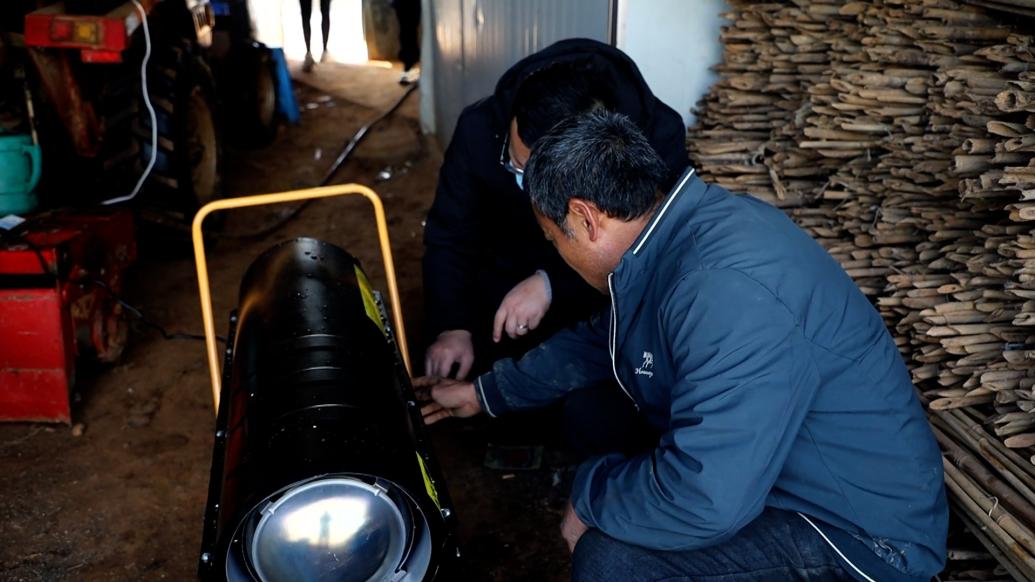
481 237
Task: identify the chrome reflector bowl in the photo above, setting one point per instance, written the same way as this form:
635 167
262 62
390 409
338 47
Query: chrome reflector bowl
338 529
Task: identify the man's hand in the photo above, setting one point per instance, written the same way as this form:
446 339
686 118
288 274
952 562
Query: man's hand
448 398
451 347
522 309
572 527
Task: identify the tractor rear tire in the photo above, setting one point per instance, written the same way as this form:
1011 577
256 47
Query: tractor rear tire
186 171
251 97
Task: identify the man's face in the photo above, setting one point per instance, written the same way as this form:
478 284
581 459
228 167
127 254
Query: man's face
577 250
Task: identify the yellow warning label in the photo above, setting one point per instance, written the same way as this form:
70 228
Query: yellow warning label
369 304
427 482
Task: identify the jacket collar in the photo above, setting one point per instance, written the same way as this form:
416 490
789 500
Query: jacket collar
681 185
671 214
631 278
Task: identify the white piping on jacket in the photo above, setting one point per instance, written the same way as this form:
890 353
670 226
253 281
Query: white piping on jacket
484 400
613 337
657 218
612 340
843 557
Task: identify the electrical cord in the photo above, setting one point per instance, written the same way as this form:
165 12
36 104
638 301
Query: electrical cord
150 111
47 270
339 161
166 334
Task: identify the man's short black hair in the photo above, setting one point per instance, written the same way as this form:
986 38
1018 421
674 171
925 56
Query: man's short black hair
600 157
555 93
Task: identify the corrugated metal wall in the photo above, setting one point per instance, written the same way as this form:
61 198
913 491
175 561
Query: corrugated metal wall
475 41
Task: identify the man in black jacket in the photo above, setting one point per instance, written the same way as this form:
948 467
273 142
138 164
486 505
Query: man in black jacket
494 287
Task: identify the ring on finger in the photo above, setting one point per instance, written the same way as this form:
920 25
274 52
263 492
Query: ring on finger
523 327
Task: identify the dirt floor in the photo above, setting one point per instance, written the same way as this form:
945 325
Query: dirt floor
123 500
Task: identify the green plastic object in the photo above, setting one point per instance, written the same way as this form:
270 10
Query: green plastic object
20 167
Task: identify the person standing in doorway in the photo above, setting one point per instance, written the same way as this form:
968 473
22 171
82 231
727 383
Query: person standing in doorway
408 14
325 17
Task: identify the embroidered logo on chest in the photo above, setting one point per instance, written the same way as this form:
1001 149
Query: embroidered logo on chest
647 367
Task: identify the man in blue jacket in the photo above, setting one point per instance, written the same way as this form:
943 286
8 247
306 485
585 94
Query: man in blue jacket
792 445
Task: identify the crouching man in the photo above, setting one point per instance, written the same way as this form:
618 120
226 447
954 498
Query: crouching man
790 443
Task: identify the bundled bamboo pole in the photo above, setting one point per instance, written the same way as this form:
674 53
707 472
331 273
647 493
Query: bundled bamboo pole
1023 7
1001 511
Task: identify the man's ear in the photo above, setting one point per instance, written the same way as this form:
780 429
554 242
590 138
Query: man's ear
585 216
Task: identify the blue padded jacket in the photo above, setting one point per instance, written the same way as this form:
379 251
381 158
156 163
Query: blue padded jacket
772 380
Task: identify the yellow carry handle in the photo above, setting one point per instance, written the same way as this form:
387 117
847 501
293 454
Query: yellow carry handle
279 198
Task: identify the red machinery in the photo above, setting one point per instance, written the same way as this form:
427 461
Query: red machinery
108 129
58 284
97 38
62 270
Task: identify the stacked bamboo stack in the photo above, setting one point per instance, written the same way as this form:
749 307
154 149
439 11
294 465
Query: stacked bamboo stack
1012 170
739 111
840 144
916 121
971 238
1022 7
754 113
984 376
879 92
956 263
901 177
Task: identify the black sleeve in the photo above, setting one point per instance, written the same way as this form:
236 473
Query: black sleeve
569 289
668 137
452 237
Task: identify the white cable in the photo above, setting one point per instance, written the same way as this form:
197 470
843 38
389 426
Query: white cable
150 111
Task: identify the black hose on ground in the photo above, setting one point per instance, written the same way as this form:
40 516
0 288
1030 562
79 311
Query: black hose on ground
346 152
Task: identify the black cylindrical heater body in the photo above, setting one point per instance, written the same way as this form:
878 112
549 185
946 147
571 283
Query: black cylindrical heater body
321 469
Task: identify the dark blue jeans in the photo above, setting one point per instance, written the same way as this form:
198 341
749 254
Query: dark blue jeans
778 545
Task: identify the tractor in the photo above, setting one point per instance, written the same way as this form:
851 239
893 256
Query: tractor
118 110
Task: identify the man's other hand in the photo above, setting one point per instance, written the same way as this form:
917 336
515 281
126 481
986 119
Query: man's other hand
522 309
447 398
451 347
572 527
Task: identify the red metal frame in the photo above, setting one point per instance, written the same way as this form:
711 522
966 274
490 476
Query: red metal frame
47 321
37 356
106 39
51 27
110 34
75 110
41 31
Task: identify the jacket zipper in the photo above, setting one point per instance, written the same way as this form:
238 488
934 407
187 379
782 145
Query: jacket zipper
613 337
